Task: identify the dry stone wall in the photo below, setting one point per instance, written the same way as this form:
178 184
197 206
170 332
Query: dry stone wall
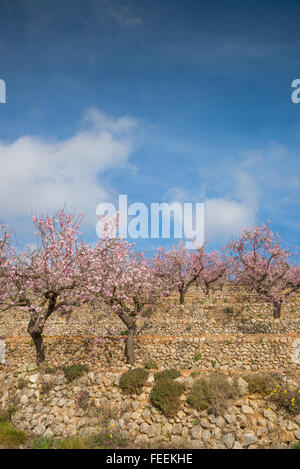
224 352
47 405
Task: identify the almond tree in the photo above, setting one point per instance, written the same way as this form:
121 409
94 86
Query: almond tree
6 253
126 281
262 266
47 279
215 272
180 267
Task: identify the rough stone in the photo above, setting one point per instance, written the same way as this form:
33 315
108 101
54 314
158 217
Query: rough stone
249 439
196 432
229 440
269 414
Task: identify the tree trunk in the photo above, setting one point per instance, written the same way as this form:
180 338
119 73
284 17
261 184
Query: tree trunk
277 310
181 296
36 325
130 322
36 334
206 290
129 347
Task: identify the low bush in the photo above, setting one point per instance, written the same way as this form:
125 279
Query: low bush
74 371
165 396
132 381
167 374
151 364
261 383
286 397
108 437
212 393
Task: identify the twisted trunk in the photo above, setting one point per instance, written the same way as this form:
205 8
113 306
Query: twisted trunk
36 326
35 332
130 322
129 347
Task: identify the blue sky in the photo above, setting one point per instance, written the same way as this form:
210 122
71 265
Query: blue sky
161 100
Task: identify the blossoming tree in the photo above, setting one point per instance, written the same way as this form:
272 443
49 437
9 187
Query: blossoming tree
180 267
216 271
126 281
46 278
262 265
6 252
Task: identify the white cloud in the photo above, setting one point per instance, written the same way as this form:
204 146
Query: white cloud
42 174
225 218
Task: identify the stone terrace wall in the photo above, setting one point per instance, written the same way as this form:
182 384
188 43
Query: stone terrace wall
248 422
225 352
192 319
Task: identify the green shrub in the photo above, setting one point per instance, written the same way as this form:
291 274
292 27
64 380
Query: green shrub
151 364
199 396
212 393
74 371
132 381
165 396
167 374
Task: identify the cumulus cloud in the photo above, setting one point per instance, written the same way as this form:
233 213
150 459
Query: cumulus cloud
42 174
224 216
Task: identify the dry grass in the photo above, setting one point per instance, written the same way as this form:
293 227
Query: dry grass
213 393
